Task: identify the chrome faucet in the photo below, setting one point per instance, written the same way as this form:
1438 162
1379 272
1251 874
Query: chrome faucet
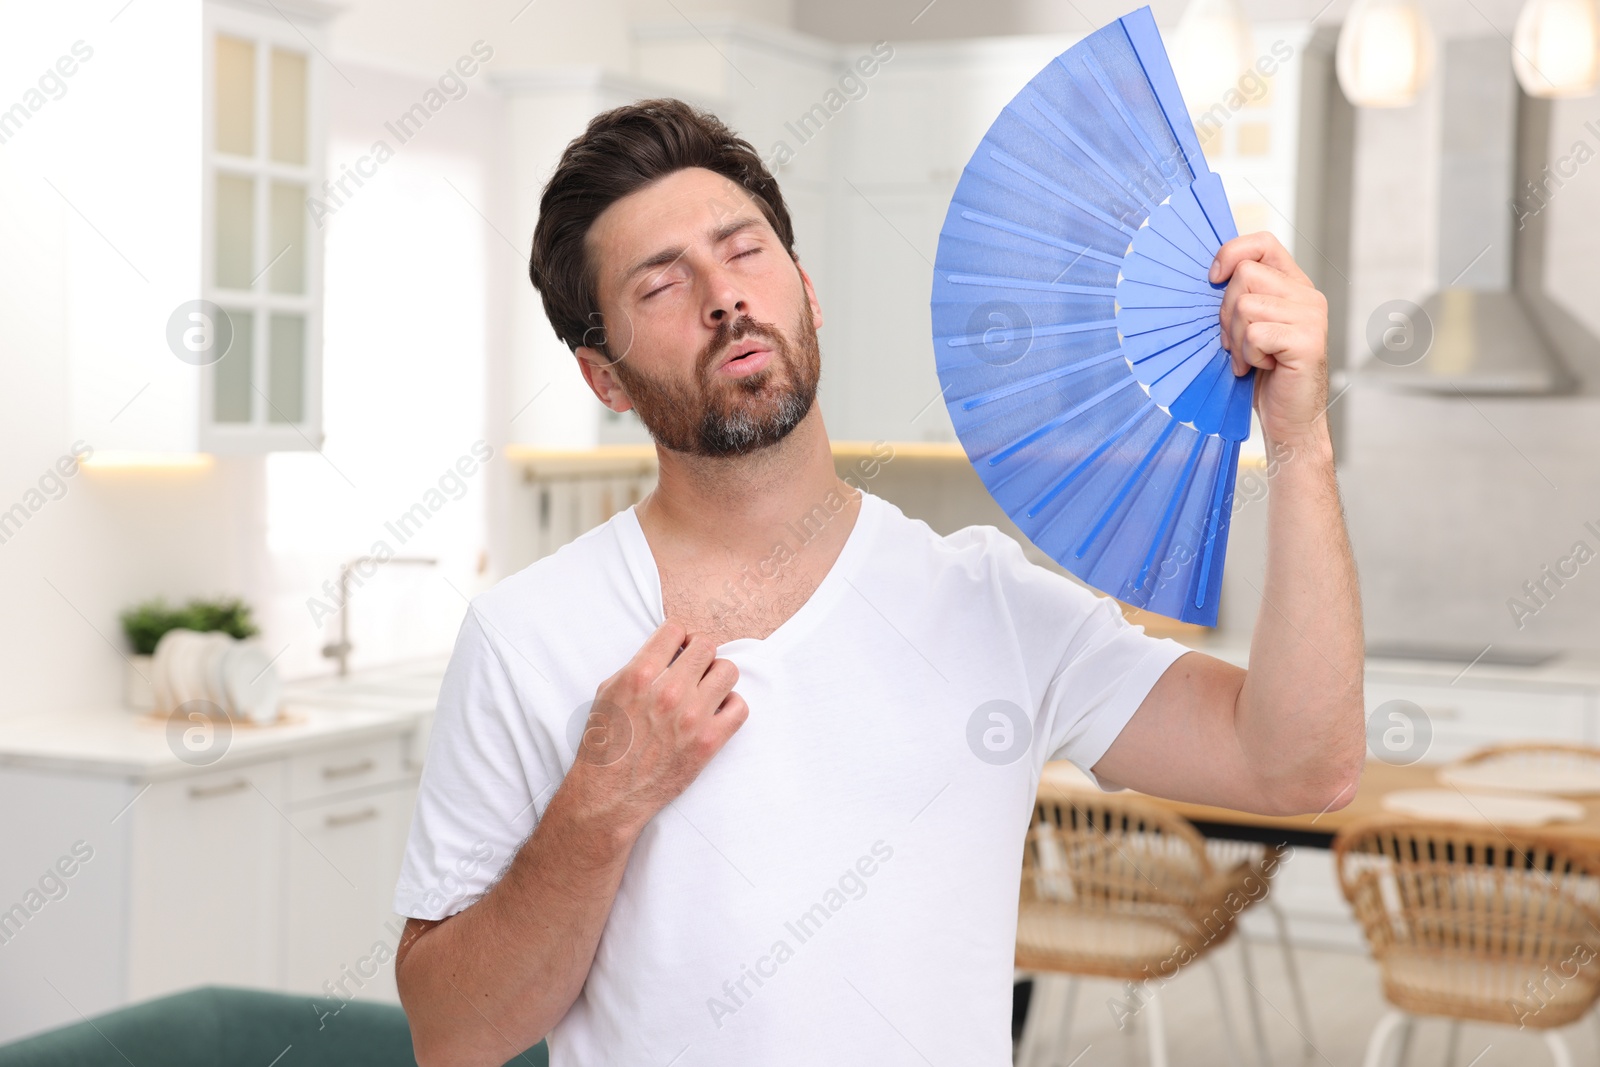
340 650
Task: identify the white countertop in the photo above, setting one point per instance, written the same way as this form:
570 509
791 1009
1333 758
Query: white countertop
327 710
317 713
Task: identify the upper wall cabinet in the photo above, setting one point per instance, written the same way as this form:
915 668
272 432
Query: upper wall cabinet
901 150
194 271
261 258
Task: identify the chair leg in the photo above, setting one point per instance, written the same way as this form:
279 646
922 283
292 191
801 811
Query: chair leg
1454 1044
1262 1053
1028 1045
1403 1053
1043 1018
1558 1049
1223 1013
1157 1028
1064 1032
1378 1044
1281 921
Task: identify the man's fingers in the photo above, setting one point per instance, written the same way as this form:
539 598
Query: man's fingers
1259 293
1261 307
697 654
1265 342
732 713
1253 277
726 720
1259 247
657 652
716 682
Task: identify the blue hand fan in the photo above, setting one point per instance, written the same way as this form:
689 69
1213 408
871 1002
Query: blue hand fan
1077 337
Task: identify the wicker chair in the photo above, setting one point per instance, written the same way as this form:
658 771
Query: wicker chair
1114 886
1472 922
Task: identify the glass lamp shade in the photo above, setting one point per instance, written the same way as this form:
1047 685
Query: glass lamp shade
1555 50
1385 53
1210 51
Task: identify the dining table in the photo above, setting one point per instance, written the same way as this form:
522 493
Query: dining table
1317 829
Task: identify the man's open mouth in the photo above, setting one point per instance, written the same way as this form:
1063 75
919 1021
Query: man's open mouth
743 352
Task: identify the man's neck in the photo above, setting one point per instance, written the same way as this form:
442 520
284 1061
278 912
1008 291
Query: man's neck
721 506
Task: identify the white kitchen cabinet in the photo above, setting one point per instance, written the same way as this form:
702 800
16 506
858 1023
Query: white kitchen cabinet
343 857
263 208
205 861
901 152
278 875
273 868
879 335
1470 714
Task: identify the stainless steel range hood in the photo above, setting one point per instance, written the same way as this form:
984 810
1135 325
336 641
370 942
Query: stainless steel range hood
1493 329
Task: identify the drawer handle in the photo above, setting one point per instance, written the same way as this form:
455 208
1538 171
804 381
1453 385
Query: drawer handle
202 792
335 821
349 769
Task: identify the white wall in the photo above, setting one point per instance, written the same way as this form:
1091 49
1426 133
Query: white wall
81 216
416 285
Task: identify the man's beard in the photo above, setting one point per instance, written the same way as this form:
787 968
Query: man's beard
715 415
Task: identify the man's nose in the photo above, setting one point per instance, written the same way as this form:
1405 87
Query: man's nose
727 300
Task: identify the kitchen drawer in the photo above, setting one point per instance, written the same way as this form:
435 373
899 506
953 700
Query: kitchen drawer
332 771
343 860
1465 717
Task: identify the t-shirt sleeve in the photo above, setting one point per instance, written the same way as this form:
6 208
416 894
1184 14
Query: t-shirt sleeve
1093 665
483 783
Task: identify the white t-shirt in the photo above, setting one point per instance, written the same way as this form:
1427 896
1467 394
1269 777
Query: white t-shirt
840 883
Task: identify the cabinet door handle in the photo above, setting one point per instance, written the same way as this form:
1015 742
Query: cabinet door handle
335 821
349 769
202 792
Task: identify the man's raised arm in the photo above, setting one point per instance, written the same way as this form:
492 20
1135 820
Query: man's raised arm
1288 735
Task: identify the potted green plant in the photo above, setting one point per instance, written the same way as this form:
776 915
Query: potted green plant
145 622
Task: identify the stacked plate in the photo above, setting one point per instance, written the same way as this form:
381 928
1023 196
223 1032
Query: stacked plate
235 676
1572 777
1452 805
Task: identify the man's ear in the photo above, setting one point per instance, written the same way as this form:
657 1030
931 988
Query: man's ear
811 295
595 366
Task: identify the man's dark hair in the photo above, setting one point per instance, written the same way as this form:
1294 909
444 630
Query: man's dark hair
622 151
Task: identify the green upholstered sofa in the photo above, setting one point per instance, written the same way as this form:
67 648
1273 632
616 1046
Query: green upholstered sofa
217 1026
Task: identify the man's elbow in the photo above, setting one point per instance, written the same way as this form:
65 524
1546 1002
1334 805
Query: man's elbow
444 1037
1327 781
1336 791
434 1042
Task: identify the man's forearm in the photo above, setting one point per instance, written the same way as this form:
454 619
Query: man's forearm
489 982
1300 712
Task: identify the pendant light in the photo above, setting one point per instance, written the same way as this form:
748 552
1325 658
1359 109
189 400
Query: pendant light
1211 49
1385 53
1555 49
